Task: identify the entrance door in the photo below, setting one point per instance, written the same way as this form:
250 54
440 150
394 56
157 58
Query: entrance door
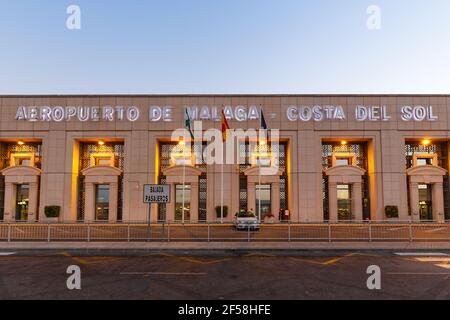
425 204
183 203
263 197
102 202
344 200
22 201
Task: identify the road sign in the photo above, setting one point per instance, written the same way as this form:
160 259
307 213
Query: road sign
156 193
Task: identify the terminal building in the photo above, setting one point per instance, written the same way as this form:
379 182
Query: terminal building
336 158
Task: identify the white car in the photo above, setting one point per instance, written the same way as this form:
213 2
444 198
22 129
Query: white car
246 222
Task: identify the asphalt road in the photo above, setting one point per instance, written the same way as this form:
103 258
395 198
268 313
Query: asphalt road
304 275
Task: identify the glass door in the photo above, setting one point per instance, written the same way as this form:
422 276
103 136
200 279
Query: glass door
344 200
102 202
183 203
263 197
425 204
22 201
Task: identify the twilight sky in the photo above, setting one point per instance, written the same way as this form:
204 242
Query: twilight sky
224 46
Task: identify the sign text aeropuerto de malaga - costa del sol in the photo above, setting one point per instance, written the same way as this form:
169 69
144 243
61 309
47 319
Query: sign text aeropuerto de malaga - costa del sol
213 113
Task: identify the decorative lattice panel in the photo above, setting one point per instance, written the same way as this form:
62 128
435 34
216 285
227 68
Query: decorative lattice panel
2 197
358 149
7 149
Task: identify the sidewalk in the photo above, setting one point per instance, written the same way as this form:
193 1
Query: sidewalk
205 246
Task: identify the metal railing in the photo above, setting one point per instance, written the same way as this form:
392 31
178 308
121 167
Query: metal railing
218 232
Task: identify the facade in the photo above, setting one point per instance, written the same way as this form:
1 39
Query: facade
334 158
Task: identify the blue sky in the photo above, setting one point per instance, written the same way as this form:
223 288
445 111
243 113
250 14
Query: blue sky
224 46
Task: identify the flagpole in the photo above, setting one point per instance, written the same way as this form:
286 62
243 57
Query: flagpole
221 179
259 169
184 173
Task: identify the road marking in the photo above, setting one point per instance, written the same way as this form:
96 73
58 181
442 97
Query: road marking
334 260
419 273
163 273
431 259
4 254
423 254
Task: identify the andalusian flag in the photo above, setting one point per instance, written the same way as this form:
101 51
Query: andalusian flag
225 127
188 125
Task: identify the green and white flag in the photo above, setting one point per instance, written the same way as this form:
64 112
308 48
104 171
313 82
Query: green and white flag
188 125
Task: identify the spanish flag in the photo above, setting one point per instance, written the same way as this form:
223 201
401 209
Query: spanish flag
225 127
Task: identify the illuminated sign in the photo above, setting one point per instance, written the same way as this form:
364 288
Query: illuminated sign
238 113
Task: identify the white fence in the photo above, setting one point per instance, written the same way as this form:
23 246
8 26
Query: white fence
214 232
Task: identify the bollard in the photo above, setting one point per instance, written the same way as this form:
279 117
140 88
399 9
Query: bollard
9 233
209 232
410 232
289 231
168 231
370 232
129 232
48 233
88 233
329 232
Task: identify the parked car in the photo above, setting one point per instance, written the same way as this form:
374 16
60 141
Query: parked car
245 220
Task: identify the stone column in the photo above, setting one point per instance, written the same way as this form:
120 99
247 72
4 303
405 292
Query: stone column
414 200
332 201
275 200
438 202
32 204
170 207
357 206
89 203
113 201
194 202
251 196
10 199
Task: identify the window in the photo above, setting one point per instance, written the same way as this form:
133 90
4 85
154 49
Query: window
103 161
23 161
424 161
343 161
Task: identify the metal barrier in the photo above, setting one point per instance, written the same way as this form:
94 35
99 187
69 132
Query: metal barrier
215 232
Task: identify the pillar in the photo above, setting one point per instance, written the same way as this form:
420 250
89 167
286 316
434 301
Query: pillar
89 203
170 207
32 204
357 206
113 201
275 200
10 199
251 196
414 200
194 202
437 194
332 201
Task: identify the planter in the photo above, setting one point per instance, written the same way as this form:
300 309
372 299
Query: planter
52 219
269 220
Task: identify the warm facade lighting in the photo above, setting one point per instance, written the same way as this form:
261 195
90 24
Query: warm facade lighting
101 143
181 142
262 142
20 143
344 142
426 142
